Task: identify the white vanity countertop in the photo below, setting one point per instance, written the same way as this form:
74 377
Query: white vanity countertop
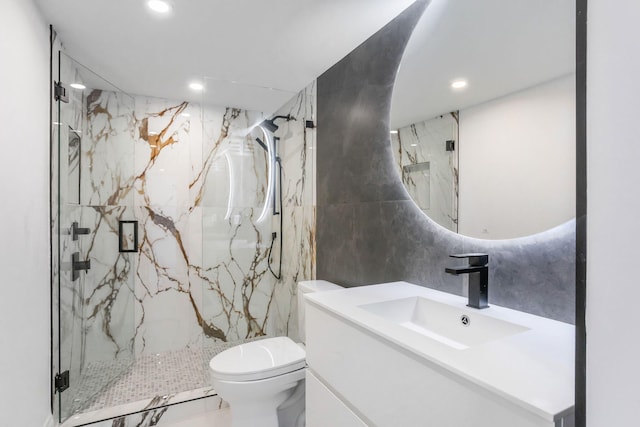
534 368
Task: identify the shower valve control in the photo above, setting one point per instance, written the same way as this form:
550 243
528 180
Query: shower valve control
77 266
76 230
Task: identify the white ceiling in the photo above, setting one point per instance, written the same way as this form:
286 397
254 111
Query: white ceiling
256 54
499 46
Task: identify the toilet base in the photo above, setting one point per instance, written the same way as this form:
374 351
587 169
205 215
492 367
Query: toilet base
272 402
289 414
292 412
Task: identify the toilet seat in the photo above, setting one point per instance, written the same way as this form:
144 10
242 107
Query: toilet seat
258 360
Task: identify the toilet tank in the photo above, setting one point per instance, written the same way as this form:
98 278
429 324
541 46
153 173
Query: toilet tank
305 288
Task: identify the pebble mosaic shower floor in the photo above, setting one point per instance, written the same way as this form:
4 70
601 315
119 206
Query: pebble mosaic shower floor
162 374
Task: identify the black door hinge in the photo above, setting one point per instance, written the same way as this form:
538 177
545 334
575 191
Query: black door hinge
62 382
60 92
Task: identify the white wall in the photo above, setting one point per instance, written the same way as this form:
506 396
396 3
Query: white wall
24 252
517 162
613 213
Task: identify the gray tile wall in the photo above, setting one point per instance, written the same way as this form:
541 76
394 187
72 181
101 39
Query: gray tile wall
368 229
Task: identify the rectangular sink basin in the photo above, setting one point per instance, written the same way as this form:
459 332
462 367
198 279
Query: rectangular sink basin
456 327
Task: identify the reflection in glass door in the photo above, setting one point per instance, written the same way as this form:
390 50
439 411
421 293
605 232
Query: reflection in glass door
93 275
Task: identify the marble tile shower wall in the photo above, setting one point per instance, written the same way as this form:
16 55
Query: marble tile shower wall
428 170
106 196
297 148
75 316
196 182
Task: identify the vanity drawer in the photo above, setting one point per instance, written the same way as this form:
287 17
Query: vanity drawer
323 408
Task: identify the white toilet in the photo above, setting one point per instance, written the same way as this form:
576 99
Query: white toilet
263 381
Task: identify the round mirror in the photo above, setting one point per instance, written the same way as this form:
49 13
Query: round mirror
483 116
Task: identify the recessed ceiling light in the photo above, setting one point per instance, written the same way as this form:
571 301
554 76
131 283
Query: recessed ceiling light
78 86
459 84
185 115
393 131
159 6
196 86
414 145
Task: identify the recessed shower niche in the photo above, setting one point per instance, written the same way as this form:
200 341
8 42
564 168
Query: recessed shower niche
162 223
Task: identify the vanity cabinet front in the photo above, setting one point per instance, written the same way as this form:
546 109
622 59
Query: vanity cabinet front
382 384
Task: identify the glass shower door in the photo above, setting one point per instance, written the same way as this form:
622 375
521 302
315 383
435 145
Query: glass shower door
94 247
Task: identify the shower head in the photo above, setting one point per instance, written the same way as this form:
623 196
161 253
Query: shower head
271 126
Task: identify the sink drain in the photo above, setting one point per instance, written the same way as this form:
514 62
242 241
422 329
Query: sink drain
464 319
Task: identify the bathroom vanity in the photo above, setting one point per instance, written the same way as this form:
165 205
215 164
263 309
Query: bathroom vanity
398 354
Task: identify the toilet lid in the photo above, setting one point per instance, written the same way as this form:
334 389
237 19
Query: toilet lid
258 360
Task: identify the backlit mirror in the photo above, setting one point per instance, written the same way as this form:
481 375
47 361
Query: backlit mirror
483 116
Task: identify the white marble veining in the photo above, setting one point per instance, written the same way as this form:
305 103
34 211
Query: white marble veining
297 148
196 182
199 261
430 172
88 303
150 381
188 409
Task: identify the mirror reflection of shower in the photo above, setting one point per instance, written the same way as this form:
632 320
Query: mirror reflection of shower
273 199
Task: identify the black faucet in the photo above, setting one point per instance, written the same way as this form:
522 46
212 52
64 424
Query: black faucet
478 270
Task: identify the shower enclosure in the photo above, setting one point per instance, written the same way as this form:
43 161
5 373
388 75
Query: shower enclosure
159 243
83 215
